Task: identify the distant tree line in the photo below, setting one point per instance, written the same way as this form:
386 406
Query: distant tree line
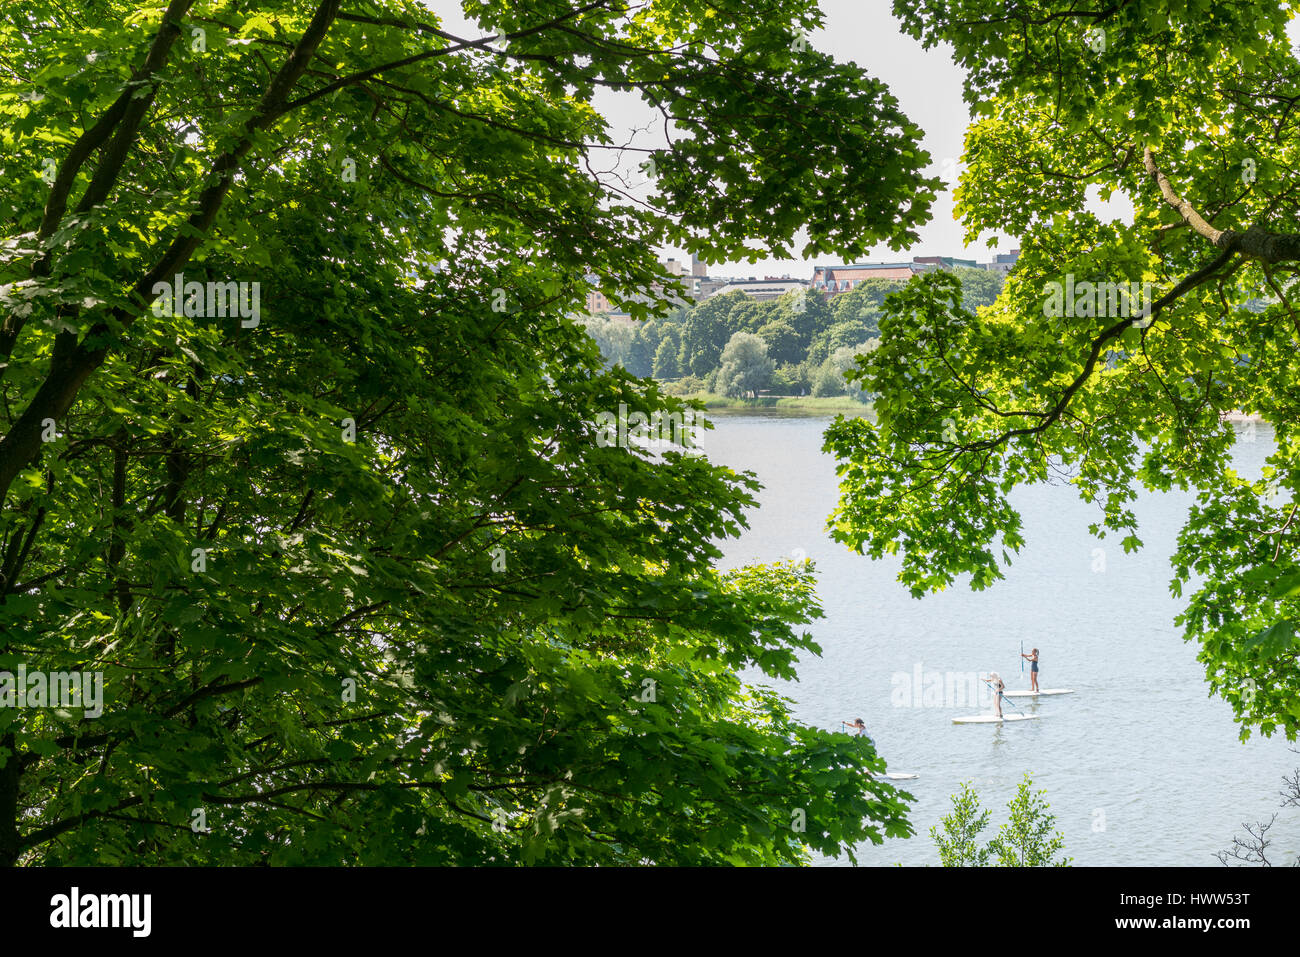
730 344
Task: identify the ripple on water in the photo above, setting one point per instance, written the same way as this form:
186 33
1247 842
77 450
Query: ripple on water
1140 766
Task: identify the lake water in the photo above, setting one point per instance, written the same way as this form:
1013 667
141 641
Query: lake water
1140 766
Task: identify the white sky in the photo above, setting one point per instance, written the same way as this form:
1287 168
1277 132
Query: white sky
927 85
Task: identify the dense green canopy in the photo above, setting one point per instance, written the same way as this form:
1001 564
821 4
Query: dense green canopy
802 330
362 583
1186 110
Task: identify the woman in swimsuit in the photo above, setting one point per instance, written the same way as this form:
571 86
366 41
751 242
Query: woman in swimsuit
1032 658
997 686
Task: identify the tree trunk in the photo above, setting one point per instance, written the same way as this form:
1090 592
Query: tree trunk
9 776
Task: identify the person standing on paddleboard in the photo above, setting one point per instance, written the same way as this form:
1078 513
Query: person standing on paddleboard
997 685
1032 658
858 725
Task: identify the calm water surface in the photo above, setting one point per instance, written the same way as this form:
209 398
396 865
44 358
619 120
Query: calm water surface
1140 765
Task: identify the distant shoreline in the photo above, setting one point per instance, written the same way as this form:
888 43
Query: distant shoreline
808 406
805 406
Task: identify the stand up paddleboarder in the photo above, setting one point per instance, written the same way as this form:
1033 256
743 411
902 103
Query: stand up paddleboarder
1032 658
998 685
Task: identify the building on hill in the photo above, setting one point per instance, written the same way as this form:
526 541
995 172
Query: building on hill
760 289
1003 262
690 279
833 280
598 303
829 280
711 284
945 262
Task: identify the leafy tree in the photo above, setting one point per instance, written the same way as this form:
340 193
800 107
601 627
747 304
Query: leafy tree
957 838
864 301
806 311
641 352
843 334
595 327
979 287
706 329
745 366
828 381
834 376
665 363
1070 103
782 342
791 379
1026 839
687 385
750 315
363 584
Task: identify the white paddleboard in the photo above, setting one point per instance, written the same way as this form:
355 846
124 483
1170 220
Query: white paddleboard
897 776
1035 694
994 719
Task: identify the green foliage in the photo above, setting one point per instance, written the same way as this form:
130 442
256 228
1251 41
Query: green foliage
836 375
665 362
800 328
686 385
745 366
791 380
846 333
427 601
615 336
957 838
782 342
974 403
806 311
979 287
864 301
641 353
706 330
1026 839
748 315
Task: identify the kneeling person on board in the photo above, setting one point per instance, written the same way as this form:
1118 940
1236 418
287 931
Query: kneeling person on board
1032 658
858 725
997 685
